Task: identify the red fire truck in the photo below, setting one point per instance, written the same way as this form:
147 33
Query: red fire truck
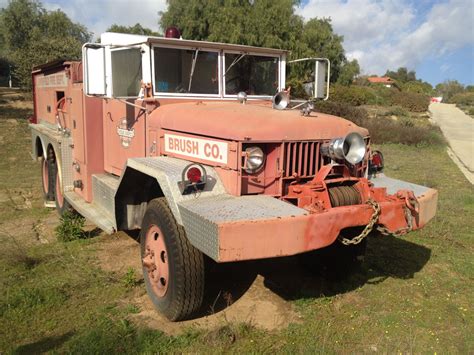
198 145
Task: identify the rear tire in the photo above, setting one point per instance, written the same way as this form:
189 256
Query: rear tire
173 269
47 179
62 205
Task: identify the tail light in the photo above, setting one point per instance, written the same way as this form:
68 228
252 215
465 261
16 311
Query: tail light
376 162
193 178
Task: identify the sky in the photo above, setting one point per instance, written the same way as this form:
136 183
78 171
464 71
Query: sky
434 38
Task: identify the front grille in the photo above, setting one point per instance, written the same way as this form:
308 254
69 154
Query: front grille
301 158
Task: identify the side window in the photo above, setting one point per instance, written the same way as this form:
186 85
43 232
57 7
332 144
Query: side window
186 71
126 72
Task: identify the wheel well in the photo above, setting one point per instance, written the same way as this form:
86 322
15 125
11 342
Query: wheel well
135 191
51 154
38 148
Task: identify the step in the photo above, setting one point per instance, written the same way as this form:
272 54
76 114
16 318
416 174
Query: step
104 187
92 212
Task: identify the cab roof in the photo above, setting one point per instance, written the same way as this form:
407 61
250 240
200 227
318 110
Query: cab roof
119 39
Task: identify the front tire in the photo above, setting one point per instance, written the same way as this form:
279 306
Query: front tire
172 268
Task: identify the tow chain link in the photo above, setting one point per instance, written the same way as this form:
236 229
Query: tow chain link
368 228
400 231
373 220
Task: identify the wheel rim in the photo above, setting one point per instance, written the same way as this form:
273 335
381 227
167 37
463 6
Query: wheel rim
155 261
59 194
45 176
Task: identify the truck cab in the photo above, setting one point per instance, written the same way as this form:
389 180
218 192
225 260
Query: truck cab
197 145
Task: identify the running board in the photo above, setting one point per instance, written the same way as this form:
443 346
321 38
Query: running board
91 211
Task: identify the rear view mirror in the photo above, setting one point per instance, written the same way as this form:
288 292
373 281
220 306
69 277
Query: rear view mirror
319 88
93 58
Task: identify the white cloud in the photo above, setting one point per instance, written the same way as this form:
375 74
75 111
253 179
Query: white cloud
387 34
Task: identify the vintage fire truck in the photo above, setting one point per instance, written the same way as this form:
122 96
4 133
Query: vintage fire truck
198 145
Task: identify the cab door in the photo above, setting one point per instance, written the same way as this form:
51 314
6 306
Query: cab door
124 134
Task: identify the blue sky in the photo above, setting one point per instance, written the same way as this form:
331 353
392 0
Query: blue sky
434 38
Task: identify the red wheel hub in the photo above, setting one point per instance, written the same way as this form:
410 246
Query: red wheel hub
155 260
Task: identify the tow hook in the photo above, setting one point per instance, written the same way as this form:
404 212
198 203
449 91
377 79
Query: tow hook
410 200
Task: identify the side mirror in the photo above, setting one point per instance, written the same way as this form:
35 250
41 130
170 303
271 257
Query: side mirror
321 79
93 59
319 89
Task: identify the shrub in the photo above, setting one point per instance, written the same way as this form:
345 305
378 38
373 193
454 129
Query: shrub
383 129
357 115
466 98
397 111
418 87
70 227
352 95
411 101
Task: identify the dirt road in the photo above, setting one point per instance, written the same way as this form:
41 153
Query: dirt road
458 128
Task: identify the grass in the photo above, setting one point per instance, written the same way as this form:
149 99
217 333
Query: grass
413 294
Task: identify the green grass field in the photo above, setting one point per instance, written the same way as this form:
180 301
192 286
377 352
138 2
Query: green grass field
413 295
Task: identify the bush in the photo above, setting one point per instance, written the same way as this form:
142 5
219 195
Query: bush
352 95
357 115
397 111
466 99
70 227
411 101
383 129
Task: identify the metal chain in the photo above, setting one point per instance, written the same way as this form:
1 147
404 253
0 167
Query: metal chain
400 231
373 220
368 228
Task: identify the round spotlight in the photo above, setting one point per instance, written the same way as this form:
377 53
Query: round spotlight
255 159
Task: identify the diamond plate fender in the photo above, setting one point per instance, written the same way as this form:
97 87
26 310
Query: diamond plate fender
45 136
167 172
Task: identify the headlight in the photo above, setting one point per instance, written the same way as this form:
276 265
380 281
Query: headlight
255 159
351 148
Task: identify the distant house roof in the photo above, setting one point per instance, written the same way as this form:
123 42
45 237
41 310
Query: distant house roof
381 80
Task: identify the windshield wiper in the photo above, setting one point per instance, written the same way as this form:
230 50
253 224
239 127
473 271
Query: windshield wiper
193 66
234 62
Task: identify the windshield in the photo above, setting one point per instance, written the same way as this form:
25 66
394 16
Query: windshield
253 74
186 71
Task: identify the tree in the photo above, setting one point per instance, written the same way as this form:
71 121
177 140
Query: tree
263 23
418 87
136 29
34 36
448 89
402 75
469 88
348 73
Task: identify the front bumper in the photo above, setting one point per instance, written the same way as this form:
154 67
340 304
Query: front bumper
229 228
